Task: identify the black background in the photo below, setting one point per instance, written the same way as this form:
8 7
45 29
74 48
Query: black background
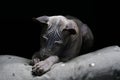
19 35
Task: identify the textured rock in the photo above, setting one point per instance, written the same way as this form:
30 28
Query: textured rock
14 68
103 64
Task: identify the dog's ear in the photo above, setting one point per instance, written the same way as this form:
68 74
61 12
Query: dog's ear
42 19
70 28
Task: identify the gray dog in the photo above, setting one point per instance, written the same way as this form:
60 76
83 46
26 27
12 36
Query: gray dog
62 39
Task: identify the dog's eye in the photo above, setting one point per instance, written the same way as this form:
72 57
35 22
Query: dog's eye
44 37
58 42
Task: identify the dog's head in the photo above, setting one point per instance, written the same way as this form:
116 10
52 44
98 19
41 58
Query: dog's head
56 35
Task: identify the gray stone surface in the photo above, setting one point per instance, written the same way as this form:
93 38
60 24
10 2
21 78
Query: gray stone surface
14 68
103 64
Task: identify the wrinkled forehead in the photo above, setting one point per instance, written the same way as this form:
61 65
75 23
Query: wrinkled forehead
58 20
